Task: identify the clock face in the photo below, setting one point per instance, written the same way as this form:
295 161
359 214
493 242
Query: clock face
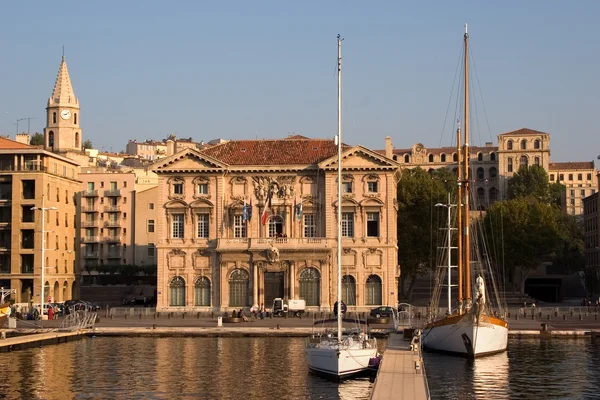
65 114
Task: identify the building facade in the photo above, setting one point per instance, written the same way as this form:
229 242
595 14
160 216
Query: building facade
31 177
217 251
591 229
580 180
146 215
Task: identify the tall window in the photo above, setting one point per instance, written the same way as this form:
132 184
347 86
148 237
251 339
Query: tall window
239 227
347 187
480 174
443 158
509 164
373 224
492 156
203 188
523 144
310 229
536 144
509 145
373 290
76 139
178 188
579 177
524 161
177 226
202 292
430 160
310 286
349 290
276 227
536 161
238 288
51 139
372 187
479 157
150 226
177 292
348 224
202 225
493 173
151 250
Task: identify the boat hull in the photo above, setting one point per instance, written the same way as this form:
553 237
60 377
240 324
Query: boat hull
340 362
466 335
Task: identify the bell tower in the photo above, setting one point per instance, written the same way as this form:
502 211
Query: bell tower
62 132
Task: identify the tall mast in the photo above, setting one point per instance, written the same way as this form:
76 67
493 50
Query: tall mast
466 246
459 213
339 210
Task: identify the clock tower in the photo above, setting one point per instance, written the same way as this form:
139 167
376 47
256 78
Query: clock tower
62 132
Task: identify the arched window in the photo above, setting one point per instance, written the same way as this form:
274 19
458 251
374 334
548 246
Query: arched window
349 290
310 286
395 157
536 161
238 288
443 158
523 144
493 173
509 164
481 195
455 157
431 158
492 156
431 171
202 292
373 291
523 161
77 139
65 288
177 292
509 145
479 157
275 226
54 117
536 144
51 139
75 118
480 174
406 158
493 195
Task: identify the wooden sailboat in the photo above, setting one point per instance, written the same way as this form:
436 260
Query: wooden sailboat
472 329
343 355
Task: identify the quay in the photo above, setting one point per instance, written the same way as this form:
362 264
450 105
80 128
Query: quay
401 373
38 339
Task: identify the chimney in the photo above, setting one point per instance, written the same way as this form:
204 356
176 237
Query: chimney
170 147
22 138
389 149
489 144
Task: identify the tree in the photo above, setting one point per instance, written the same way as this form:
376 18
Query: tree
37 139
87 144
523 232
418 192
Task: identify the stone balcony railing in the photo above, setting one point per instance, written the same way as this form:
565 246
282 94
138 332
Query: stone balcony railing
239 244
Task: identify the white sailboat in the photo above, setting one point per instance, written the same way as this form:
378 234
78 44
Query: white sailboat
473 328
343 355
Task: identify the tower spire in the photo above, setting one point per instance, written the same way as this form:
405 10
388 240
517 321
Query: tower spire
63 93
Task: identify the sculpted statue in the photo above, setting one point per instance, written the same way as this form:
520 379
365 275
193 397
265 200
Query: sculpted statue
273 255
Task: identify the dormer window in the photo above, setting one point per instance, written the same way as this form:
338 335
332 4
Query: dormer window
203 188
372 187
178 188
347 187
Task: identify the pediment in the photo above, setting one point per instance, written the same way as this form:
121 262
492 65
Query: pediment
360 158
188 160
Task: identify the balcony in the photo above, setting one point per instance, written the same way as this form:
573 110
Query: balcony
89 224
89 193
113 239
4 246
112 224
306 243
91 254
114 255
112 193
89 209
112 209
233 244
90 239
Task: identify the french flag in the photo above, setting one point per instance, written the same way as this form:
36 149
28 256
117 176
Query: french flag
265 213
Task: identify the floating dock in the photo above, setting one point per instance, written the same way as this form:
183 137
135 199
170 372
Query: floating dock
401 373
38 339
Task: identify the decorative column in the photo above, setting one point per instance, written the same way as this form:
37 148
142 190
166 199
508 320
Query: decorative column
254 284
223 281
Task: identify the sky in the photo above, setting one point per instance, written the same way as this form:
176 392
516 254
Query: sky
267 69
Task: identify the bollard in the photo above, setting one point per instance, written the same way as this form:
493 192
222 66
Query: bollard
277 326
125 316
183 315
169 315
153 326
198 315
212 315
544 327
564 317
508 315
548 317
556 313
580 317
154 315
140 316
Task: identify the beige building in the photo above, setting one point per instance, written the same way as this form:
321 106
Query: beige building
211 258
146 215
580 180
32 177
148 150
591 229
106 211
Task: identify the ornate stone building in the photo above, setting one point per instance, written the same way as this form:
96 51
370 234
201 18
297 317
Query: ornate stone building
215 253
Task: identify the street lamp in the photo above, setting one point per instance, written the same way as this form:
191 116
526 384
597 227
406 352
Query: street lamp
449 207
42 209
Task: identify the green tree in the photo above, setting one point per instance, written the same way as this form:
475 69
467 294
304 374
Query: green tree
87 144
523 232
533 182
37 139
418 192
569 256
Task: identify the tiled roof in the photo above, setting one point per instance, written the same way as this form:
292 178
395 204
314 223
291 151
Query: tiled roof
523 131
556 166
273 152
7 144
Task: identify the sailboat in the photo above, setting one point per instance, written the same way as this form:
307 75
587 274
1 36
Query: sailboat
473 328
344 355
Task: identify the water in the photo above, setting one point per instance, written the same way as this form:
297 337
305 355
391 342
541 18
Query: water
532 368
170 368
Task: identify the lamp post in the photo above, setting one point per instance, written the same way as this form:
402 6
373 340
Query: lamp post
42 209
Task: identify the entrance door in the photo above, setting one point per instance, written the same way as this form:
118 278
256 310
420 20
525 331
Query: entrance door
273 287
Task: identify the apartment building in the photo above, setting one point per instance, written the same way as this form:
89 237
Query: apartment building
580 180
591 228
146 216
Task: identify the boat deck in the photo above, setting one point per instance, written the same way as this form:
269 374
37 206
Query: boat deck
401 373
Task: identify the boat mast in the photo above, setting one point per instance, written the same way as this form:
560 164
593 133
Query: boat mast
459 219
339 210
466 245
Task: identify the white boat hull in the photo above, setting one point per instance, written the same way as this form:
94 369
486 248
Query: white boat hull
348 359
466 335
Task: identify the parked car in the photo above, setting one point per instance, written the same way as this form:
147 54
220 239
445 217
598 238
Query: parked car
382 312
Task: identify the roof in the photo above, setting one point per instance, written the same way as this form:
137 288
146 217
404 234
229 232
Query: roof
8 144
556 166
523 131
443 150
273 152
63 90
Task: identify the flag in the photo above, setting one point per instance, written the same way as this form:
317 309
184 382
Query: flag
245 212
300 211
250 211
295 208
267 207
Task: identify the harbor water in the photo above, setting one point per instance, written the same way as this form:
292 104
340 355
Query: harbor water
275 368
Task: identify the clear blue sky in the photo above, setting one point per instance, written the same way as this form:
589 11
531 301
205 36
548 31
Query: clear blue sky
248 69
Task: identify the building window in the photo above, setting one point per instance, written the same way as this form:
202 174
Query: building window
28 215
202 292
570 177
203 188
524 161
238 288
536 144
347 224
151 206
202 225
561 177
310 286
28 189
523 144
406 159
310 229
509 165
493 173
51 139
150 226
347 187
349 290
177 226
372 187
509 145
443 158
27 238
151 250
572 193
552 177
480 174
481 195
455 157
373 290
430 160
479 157
373 224
178 188
537 161
276 226
579 177
492 156
239 227
582 192
27 263
75 118
177 292
589 177
54 117
76 140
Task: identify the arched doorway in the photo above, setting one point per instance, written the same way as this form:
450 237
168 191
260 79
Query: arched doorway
239 281
56 295
349 290
177 292
310 286
373 291
65 290
202 292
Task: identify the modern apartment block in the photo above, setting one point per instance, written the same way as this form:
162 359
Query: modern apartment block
31 177
146 216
